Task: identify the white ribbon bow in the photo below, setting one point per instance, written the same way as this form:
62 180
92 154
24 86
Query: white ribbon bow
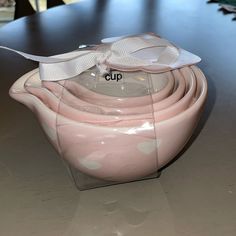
146 52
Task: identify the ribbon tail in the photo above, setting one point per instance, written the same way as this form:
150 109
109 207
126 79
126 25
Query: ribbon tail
63 66
34 57
67 69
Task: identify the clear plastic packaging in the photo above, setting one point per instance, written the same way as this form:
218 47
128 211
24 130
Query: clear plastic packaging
105 125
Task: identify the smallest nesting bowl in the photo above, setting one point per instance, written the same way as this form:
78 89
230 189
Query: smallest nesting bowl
134 90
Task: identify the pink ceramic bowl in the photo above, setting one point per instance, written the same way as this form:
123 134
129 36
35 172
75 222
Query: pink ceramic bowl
118 154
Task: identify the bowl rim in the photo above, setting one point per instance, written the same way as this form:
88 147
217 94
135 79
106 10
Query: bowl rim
18 90
110 118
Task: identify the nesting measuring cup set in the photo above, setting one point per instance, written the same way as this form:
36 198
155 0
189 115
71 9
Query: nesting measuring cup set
118 111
